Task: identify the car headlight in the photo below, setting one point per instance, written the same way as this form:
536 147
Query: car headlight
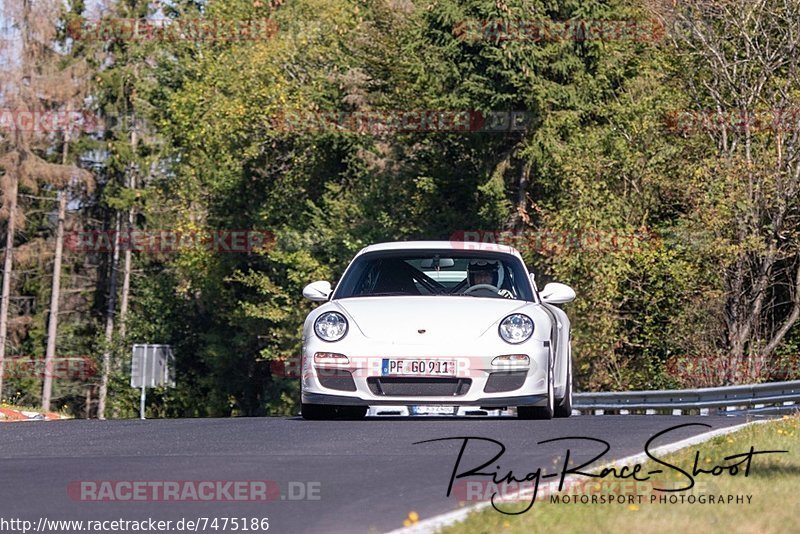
516 328
330 326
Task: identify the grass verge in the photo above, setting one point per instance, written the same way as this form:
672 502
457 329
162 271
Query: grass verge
771 484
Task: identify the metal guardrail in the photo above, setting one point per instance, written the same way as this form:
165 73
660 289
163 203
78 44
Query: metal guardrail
765 399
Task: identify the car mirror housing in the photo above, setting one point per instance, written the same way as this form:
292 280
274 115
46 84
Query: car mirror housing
555 293
317 291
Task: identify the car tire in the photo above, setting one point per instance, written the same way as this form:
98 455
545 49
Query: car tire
324 412
540 412
564 405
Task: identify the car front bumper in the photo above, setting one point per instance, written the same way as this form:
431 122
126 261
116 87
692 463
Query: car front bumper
491 402
361 380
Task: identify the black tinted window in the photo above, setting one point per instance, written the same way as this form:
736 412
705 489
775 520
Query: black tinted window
439 273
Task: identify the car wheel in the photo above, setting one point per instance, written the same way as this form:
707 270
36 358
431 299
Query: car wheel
564 406
322 412
540 412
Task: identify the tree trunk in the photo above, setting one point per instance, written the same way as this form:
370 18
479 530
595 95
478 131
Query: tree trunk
126 282
109 335
55 291
89 402
7 272
55 294
126 268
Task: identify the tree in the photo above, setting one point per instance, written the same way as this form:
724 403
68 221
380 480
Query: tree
740 61
40 84
131 154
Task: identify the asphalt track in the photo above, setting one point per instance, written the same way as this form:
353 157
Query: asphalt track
333 476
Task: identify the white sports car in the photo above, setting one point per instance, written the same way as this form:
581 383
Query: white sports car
437 323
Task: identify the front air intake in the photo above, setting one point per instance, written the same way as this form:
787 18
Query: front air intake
419 387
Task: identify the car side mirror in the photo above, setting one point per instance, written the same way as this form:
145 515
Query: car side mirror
555 293
317 291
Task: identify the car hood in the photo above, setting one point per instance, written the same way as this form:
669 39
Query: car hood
399 319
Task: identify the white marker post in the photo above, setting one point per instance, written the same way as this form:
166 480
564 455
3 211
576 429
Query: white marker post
151 366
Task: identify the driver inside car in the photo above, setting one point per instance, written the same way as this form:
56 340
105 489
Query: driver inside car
485 273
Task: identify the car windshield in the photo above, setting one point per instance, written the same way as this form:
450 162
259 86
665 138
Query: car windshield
436 273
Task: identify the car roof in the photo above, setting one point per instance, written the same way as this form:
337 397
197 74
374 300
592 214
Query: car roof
441 245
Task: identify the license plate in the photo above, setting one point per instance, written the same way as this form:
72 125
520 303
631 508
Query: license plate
417 367
433 410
